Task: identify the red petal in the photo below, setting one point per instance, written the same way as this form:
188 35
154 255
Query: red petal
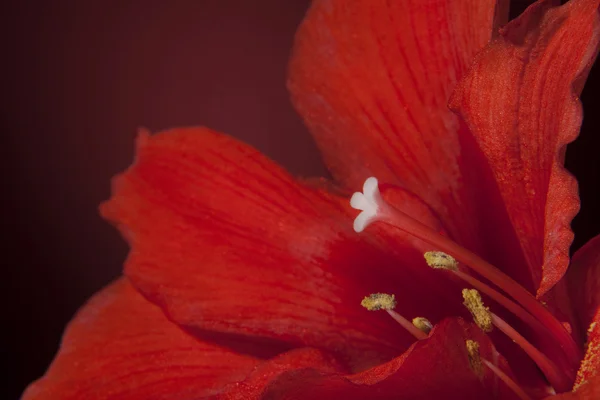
120 346
590 366
436 367
584 284
520 102
588 391
372 80
584 281
226 241
254 386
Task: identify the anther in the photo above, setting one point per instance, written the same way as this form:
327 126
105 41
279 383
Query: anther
474 358
379 301
422 324
497 296
474 304
441 260
484 318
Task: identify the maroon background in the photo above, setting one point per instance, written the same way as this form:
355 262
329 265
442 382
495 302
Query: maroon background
79 77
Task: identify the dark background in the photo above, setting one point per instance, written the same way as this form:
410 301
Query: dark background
79 77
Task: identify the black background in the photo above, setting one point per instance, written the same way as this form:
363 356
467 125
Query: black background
79 77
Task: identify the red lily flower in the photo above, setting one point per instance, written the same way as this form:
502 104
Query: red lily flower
244 282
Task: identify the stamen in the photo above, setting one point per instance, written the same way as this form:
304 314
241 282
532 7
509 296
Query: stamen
379 301
474 304
504 301
387 302
495 357
413 330
554 375
476 362
374 208
484 318
441 260
422 324
498 297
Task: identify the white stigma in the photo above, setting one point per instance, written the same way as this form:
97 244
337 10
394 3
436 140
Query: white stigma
369 202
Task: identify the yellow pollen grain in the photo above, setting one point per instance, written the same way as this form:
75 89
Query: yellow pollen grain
422 324
441 260
481 314
588 368
379 301
474 358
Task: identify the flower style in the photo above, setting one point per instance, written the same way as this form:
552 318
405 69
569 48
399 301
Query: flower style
244 282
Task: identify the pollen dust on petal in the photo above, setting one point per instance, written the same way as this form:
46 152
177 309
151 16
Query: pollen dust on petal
590 366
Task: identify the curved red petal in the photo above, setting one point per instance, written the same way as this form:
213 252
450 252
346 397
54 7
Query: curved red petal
257 382
436 367
372 80
520 102
590 366
121 346
226 241
588 391
583 280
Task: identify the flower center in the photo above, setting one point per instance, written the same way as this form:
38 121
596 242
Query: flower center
447 257
421 327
